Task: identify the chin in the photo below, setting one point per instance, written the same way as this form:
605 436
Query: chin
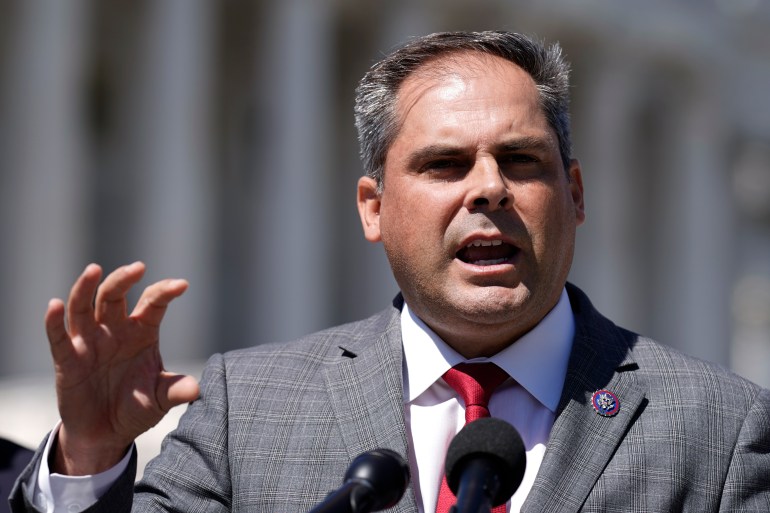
494 304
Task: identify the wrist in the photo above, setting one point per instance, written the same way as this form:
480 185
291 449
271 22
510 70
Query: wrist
73 456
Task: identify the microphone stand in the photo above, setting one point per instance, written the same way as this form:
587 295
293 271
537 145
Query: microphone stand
474 494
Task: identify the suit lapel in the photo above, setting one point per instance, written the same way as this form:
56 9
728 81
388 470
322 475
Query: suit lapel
582 441
366 391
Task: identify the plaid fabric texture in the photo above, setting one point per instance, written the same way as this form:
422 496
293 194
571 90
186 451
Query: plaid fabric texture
277 425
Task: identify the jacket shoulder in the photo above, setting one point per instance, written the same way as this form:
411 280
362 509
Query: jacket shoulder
356 334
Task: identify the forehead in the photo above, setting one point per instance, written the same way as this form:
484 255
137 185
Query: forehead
454 76
470 102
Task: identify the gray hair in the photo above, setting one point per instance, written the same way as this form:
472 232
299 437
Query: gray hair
376 94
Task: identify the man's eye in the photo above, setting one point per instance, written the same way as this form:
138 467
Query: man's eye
442 164
445 169
517 158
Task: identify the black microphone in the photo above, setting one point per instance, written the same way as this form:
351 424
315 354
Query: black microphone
375 480
484 465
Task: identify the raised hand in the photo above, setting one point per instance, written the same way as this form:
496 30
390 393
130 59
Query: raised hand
110 381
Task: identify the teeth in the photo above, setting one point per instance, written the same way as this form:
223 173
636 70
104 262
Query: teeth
479 243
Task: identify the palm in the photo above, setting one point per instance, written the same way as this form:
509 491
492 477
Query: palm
113 365
110 380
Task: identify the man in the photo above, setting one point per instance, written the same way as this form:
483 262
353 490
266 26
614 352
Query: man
473 193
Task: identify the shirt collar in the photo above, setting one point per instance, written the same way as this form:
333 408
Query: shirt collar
537 361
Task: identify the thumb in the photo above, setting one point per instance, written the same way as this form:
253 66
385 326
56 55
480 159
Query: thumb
175 389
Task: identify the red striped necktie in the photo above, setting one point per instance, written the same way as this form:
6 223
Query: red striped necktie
475 383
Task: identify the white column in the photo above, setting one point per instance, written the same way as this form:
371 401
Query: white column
606 256
750 351
43 224
172 130
289 286
695 219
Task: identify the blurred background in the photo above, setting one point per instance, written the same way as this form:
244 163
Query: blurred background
214 140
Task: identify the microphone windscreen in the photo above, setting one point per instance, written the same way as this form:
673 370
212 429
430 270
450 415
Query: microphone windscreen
493 440
385 472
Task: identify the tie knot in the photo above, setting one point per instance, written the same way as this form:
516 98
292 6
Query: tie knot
475 382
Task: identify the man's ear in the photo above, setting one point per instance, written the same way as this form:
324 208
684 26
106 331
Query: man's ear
369 208
576 188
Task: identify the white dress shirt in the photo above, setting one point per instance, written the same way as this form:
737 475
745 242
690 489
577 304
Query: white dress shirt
433 413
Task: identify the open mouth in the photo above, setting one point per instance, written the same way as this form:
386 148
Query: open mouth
487 252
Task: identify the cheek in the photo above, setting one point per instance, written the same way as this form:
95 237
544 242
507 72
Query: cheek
422 209
400 225
547 216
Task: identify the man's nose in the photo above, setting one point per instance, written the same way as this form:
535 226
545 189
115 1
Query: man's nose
488 189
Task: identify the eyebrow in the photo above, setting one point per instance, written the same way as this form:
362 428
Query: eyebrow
438 151
531 143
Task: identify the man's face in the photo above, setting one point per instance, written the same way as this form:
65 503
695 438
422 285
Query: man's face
477 213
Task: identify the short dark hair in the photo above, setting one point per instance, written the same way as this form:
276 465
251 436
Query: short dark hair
377 93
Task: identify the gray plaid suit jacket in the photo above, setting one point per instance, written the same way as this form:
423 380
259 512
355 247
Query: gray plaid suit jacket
277 425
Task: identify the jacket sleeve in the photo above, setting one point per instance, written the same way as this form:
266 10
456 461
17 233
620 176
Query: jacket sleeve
190 474
192 471
117 499
747 484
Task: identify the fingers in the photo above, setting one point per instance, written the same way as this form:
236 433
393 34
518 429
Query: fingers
80 311
110 305
155 299
84 315
56 329
174 389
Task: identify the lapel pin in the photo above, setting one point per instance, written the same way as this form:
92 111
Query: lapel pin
605 403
